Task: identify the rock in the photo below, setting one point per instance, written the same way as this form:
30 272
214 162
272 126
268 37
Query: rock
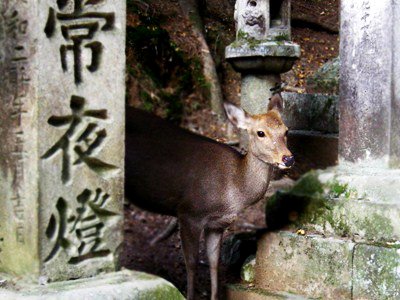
247 272
237 247
325 79
126 285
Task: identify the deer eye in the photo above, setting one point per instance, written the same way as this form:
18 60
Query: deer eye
261 133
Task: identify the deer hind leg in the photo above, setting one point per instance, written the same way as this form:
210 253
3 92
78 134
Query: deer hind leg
213 244
190 232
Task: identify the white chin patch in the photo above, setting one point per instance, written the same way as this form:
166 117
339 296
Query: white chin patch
282 166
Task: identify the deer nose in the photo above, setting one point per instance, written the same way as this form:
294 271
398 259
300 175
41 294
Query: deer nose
288 160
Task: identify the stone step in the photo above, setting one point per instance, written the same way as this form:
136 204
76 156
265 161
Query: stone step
123 285
246 292
327 268
326 204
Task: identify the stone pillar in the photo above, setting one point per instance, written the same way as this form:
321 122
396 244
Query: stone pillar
395 112
367 111
256 90
62 131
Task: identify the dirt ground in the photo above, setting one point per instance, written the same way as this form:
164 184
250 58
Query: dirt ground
317 47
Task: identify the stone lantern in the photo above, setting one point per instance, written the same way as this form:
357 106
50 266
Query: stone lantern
262 49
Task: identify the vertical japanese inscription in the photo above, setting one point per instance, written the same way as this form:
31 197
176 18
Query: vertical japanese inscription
82 140
365 17
80 234
15 59
1 246
79 27
77 227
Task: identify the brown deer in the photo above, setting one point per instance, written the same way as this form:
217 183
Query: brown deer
205 184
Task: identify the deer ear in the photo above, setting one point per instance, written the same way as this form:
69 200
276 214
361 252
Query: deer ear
276 102
236 115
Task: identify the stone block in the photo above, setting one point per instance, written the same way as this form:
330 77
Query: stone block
311 266
326 268
123 285
376 272
323 203
62 128
243 292
371 181
311 112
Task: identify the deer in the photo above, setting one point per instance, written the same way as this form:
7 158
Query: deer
203 183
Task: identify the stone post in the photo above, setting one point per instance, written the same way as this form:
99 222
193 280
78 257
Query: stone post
369 109
62 137
395 105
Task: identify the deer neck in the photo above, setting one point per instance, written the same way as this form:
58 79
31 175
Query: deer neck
256 175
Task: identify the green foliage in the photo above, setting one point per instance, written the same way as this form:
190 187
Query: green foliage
337 190
147 101
282 37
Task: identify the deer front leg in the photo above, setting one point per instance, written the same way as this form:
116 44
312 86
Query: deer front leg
190 232
213 245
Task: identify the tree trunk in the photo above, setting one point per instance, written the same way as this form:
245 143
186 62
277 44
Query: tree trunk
191 11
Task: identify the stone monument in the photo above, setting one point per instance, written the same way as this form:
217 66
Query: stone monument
62 151
62 92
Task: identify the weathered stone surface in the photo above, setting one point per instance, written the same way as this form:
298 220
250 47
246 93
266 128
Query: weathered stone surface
18 149
365 80
324 204
395 112
313 112
376 272
370 182
242 292
249 55
62 126
325 79
307 265
260 19
256 92
124 285
326 268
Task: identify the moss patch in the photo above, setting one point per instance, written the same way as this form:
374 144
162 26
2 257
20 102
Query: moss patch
376 273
